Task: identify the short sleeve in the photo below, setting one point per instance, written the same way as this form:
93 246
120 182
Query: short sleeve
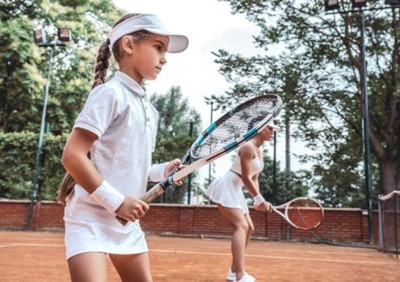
99 111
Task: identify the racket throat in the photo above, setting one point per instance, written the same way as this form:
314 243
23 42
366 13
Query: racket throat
167 182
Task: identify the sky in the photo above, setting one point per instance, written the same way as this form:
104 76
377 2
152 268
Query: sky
210 26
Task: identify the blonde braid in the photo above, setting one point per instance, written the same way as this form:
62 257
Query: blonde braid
102 64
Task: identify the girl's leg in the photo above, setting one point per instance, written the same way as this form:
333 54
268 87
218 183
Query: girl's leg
251 228
133 268
240 225
88 267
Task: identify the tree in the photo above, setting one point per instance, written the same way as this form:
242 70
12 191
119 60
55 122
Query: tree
318 72
178 126
23 65
298 187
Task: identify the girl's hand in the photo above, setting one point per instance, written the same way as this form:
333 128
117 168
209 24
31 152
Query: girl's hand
173 165
132 209
264 207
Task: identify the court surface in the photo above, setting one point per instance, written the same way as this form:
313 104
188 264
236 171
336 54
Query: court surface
39 256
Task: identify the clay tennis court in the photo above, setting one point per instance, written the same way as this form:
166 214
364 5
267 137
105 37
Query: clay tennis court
39 256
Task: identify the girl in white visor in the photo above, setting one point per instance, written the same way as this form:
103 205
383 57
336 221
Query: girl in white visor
227 193
117 130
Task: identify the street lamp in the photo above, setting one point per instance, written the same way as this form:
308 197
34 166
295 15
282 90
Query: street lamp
39 37
358 6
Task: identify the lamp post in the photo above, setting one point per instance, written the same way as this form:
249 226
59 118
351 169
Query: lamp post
211 121
358 6
209 165
274 168
190 175
40 38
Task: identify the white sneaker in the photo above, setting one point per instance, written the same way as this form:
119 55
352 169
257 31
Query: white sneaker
231 276
247 278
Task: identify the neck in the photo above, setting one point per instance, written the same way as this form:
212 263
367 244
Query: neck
257 142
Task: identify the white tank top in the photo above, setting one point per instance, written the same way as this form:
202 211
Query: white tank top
257 165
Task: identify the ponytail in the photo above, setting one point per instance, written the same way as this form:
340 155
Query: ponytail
65 188
102 63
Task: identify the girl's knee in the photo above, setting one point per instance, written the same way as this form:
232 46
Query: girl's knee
243 226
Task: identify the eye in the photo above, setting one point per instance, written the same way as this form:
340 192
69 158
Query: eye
159 47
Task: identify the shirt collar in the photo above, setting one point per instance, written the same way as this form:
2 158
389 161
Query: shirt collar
130 83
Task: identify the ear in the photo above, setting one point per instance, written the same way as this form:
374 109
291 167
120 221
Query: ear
127 44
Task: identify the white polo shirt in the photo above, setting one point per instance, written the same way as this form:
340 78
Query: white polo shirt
125 122
119 113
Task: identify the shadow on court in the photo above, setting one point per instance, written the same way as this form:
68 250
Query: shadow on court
39 256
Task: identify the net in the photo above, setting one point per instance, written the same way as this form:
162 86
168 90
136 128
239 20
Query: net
389 219
305 213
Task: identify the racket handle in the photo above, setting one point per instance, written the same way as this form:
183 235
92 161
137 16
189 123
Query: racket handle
123 221
152 194
149 197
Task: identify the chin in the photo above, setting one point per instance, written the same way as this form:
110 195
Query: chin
153 77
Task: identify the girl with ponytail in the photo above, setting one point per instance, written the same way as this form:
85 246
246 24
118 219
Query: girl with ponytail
108 154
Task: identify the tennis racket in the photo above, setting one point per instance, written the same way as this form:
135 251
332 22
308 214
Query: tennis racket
224 135
302 213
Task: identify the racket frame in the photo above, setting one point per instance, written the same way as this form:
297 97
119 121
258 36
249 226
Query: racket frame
285 214
177 174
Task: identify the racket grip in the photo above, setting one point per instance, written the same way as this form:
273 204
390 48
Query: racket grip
123 221
152 194
149 197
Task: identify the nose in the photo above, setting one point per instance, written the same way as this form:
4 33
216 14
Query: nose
163 60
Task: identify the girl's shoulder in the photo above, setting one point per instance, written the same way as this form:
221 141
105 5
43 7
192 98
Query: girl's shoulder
108 90
247 150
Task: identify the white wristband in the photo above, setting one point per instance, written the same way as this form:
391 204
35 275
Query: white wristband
157 172
108 197
259 199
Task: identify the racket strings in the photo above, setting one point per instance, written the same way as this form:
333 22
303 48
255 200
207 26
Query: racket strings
233 126
305 213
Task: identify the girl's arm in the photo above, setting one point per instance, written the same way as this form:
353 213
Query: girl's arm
251 183
246 153
76 162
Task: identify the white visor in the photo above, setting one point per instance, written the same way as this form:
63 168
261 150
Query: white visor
274 127
151 23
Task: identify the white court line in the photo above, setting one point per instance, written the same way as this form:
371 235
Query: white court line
330 252
223 254
280 257
30 245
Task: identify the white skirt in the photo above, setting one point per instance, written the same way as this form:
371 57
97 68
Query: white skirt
228 192
91 228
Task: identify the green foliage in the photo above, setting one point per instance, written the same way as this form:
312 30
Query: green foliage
23 76
317 68
177 130
17 162
24 65
288 185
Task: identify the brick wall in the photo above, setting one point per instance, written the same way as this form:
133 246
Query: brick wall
340 225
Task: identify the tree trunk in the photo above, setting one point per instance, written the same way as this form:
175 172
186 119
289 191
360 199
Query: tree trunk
386 172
